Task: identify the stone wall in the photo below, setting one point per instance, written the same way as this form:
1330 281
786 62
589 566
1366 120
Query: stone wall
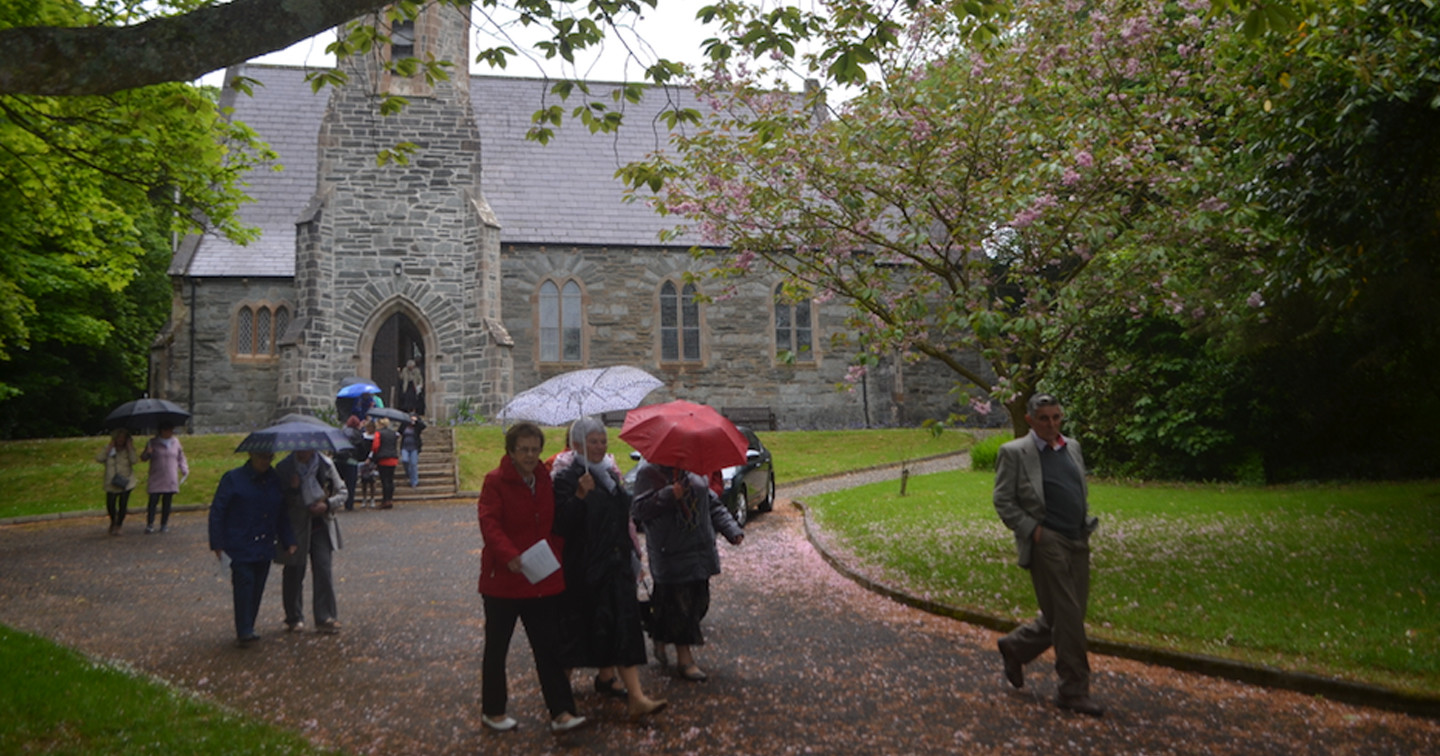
415 237
739 367
227 393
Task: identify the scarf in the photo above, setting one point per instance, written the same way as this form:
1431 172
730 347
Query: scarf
310 488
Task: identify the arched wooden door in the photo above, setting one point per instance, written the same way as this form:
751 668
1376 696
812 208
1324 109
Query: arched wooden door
397 340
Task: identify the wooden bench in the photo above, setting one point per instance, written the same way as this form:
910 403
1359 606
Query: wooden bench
755 417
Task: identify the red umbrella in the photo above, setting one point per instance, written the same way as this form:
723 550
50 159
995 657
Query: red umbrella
681 434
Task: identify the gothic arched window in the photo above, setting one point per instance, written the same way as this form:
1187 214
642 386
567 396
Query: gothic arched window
679 323
794 328
561 332
258 328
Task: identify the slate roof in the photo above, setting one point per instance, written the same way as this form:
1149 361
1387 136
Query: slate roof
563 193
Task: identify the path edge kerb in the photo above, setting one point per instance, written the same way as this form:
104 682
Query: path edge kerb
1361 694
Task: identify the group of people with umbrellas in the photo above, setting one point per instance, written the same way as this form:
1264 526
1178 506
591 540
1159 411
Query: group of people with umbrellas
561 553
168 466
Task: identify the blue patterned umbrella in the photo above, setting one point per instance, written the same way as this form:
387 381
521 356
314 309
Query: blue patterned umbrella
296 435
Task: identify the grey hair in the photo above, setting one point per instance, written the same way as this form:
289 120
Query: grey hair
582 428
1041 400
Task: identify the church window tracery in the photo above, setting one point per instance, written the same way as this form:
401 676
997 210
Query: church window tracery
794 328
258 328
561 322
679 323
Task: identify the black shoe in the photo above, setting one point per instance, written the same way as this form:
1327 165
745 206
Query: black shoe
612 687
248 641
1014 668
1081 704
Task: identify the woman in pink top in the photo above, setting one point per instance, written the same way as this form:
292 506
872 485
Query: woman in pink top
167 471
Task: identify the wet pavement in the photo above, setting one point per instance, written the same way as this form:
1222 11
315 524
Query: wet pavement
801 660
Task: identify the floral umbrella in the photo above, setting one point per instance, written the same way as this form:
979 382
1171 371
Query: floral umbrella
681 434
573 395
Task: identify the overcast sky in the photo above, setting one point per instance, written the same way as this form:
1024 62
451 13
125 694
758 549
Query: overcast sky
671 30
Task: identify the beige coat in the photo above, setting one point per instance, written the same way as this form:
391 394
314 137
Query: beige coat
122 462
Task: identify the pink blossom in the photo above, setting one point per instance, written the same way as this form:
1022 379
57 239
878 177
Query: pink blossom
980 407
1255 300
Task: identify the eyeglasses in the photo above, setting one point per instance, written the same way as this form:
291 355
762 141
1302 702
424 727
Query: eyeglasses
528 450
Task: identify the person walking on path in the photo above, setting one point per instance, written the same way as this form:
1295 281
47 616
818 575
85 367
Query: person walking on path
314 490
247 517
516 511
681 515
168 470
119 458
385 450
1041 495
601 622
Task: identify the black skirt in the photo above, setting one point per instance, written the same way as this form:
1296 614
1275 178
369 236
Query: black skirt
679 607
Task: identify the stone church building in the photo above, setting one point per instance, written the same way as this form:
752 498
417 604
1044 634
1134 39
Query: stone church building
492 261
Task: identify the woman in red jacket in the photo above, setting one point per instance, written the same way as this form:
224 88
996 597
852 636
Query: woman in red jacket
385 451
517 509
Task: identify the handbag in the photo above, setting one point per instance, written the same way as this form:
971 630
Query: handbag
120 481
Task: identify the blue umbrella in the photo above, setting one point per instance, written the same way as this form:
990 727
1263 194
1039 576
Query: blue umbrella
356 389
296 435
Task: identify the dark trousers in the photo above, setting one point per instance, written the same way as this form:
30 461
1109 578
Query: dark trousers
1060 572
117 505
247 579
542 626
158 498
387 482
350 473
292 582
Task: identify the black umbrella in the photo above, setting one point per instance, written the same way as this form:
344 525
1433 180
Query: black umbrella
141 414
296 435
392 414
296 417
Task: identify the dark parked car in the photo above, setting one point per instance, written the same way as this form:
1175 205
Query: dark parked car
751 484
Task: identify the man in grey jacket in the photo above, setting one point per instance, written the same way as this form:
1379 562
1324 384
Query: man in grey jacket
314 490
1041 494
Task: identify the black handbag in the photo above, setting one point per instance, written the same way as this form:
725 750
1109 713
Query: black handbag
120 481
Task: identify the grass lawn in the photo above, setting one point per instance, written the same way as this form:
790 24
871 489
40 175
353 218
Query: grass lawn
61 475
1337 580
56 701
797 454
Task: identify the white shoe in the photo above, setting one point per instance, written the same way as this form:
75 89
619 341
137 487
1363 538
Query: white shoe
572 723
502 724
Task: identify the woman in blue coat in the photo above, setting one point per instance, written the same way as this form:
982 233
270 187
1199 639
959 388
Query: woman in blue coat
247 518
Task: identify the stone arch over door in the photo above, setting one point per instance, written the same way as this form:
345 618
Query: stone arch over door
398 331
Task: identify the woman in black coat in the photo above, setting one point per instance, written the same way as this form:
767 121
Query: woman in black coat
601 617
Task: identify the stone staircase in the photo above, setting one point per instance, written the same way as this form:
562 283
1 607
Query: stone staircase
439 478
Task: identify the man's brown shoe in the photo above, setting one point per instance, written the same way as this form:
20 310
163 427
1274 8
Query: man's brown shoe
1014 668
1081 704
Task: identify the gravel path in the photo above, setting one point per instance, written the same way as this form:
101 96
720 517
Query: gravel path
801 660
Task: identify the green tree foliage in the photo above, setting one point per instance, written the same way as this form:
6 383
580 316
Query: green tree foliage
983 193
1315 357
93 187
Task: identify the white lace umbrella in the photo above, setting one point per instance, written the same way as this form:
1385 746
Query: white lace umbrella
573 395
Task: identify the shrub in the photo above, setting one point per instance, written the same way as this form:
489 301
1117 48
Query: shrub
984 454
